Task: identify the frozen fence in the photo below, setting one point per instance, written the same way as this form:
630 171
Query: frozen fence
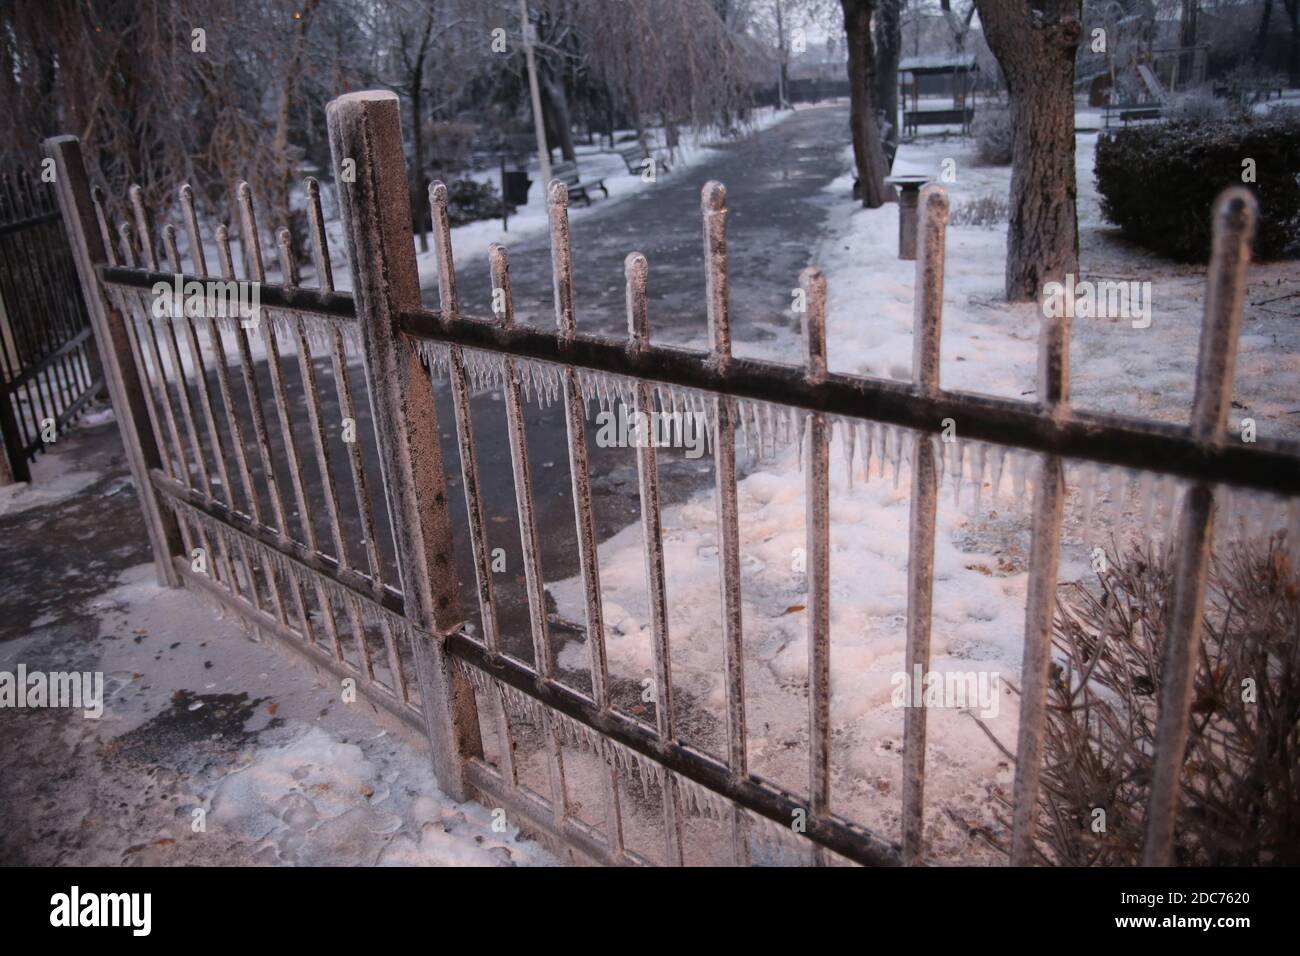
295 544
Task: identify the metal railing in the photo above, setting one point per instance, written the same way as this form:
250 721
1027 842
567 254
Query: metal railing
522 735
49 369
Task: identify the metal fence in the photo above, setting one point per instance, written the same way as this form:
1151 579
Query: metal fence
526 735
49 369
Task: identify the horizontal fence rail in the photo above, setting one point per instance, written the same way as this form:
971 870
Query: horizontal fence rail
1108 439
346 549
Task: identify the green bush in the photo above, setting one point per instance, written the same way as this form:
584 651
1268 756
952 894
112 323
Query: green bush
469 201
1158 183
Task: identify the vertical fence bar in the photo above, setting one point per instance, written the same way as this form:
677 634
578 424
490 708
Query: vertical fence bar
1235 213
449 304
182 389
647 467
347 411
221 362
480 551
199 262
370 173
126 389
1040 603
575 418
252 246
543 653
174 355
713 202
817 530
927 321
307 375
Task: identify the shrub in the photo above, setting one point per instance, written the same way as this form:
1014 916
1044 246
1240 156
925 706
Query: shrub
985 212
469 200
992 132
1240 795
1200 106
1158 183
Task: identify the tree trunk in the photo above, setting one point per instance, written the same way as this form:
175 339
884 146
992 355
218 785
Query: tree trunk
868 151
421 214
783 74
556 107
1261 38
1035 49
1293 51
889 44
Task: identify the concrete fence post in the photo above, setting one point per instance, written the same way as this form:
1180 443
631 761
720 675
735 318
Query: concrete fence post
370 173
125 387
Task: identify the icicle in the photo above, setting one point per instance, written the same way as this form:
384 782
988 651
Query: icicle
959 457
939 448
999 461
1118 495
848 438
901 439
981 464
742 414
1087 492
766 430
1172 496
1019 465
800 429
1146 499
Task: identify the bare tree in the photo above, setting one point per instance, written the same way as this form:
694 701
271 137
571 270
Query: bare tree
1035 43
959 22
889 47
868 149
1292 8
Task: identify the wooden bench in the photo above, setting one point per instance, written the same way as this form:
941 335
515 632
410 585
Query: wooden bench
1131 112
567 173
912 119
634 157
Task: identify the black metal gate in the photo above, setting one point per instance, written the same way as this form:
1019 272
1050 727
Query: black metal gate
49 368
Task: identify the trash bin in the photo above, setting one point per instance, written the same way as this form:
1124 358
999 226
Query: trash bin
514 186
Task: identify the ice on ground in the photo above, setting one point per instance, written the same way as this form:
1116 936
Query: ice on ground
54 478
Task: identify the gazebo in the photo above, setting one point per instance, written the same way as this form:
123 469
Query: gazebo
960 70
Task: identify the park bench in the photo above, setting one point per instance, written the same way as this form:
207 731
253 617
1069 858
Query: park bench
634 157
1131 112
568 174
912 119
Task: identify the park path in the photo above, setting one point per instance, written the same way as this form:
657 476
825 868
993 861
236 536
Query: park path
778 207
775 183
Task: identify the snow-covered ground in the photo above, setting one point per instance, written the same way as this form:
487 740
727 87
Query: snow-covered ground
982 536
212 748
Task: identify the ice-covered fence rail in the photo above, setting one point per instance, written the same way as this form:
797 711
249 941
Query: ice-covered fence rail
269 562
1106 439
404 345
